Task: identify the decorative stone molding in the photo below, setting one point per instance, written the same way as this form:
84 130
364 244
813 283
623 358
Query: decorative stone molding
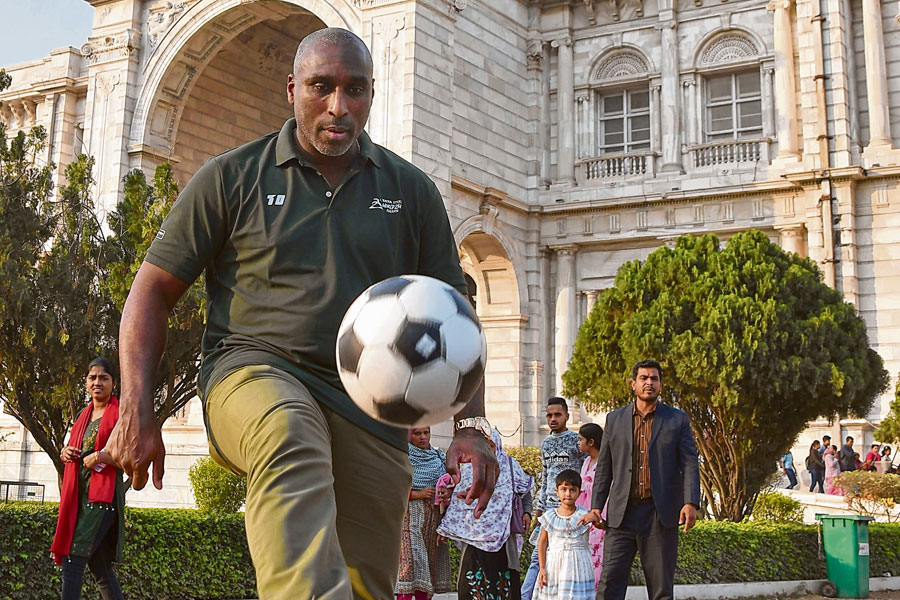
622 64
162 18
105 48
489 213
534 54
728 48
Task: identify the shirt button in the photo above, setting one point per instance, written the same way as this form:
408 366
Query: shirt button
328 194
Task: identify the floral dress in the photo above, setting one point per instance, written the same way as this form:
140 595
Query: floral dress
570 575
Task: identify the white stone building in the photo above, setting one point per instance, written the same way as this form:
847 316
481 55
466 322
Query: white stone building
567 137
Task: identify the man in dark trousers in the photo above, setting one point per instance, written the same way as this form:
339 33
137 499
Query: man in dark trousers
648 471
847 455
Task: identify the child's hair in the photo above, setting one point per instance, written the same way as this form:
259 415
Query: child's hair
592 433
569 476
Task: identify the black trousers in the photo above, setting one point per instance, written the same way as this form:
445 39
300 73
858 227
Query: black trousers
100 565
642 532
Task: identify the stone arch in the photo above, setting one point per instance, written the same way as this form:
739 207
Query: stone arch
485 258
623 63
727 46
181 47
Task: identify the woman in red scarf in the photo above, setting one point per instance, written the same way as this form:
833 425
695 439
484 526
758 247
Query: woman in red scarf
90 528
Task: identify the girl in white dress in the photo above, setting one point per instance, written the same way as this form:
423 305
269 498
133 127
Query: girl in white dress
564 553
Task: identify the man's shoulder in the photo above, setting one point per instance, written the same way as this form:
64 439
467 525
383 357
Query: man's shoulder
405 170
252 150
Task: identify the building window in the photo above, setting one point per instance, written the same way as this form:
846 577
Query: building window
733 106
624 122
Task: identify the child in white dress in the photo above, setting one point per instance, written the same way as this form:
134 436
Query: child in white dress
564 552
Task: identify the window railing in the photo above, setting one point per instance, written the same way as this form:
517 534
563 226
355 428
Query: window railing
729 152
615 165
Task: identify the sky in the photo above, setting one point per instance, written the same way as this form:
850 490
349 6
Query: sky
32 28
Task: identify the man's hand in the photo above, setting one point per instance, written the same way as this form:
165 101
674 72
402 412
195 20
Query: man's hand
469 446
526 521
593 518
134 443
70 453
688 516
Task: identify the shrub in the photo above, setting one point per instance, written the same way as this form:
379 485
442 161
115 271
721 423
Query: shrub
873 494
527 456
170 554
777 508
215 489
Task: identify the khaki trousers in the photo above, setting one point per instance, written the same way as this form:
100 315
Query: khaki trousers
325 499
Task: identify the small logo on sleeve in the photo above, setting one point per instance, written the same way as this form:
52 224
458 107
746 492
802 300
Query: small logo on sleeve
275 199
386 205
160 234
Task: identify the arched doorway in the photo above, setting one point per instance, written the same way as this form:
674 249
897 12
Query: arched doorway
217 79
485 260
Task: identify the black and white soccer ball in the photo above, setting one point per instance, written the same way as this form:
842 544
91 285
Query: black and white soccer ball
411 351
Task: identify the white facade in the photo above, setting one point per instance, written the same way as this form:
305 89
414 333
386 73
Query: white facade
567 137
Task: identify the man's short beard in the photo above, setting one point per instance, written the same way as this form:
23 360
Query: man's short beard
333 148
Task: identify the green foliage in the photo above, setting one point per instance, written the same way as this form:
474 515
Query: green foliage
55 319
888 431
215 489
169 553
868 493
753 344
134 225
777 508
529 457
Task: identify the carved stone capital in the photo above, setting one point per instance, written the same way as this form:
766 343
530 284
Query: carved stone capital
534 54
778 4
566 41
105 48
565 249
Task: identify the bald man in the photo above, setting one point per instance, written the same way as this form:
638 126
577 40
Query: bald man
289 229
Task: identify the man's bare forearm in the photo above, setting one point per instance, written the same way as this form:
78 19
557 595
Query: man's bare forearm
475 406
142 334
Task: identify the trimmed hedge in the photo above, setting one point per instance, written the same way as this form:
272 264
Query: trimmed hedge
169 554
180 553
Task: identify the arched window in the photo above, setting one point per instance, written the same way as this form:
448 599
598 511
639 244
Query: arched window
732 90
620 84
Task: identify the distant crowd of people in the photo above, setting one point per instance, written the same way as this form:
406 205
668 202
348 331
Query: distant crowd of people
604 497
825 462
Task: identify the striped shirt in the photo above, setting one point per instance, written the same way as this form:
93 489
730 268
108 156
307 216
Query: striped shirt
640 457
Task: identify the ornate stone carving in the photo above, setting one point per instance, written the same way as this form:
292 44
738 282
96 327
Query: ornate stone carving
622 64
162 18
489 213
534 54
270 57
589 5
111 47
728 48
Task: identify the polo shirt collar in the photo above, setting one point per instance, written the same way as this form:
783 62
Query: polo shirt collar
287 147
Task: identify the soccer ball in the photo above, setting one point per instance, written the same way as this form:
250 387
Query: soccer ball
411 351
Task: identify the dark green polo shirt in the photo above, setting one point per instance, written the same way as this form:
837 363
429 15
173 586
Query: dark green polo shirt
285 255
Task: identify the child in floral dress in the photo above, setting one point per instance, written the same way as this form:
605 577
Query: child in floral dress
564 553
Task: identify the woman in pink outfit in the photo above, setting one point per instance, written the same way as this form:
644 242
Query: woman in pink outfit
589 437
832 470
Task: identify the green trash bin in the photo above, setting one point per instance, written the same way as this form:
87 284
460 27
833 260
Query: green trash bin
846 542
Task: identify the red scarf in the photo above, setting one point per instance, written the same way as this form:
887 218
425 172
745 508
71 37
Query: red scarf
103 483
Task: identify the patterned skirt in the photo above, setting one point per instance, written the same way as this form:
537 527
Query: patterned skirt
487 575
424 563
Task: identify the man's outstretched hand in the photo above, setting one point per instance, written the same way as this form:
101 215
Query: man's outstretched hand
470 446
134 443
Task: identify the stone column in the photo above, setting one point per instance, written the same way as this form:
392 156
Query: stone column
565 107
785 88
591 296
768 102
876 76
655 124
545 117
671 112
566 324
583 125
690 124
793 239
547 336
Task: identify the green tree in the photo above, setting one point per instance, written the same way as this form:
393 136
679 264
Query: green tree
753 344
54 317
134 224
888 431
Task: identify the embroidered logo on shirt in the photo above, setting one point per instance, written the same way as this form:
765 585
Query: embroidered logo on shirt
160 234
276 199
388 206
